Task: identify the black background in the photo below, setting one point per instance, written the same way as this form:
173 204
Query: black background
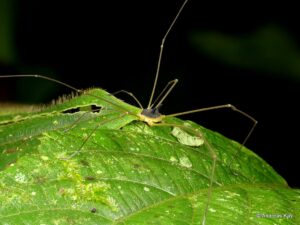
115 44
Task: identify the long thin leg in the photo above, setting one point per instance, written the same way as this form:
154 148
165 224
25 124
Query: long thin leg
118 107
91 133
213 167
77 120
161 52
232 107
213 108
131 95
165 92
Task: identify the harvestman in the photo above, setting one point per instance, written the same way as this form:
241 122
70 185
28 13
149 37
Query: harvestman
151 115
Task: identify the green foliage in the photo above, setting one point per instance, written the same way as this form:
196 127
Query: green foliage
268 49
128 172
7 47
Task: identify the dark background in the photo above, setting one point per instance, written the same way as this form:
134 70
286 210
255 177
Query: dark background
115 44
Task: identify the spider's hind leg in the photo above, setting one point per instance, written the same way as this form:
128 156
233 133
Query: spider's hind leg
195 138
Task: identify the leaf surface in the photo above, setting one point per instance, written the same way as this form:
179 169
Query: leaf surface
130 173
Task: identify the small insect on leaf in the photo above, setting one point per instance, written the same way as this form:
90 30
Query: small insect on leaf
93 210
185 138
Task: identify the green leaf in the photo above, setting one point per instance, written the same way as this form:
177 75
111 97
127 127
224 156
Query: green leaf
7 39
130 173
268 49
